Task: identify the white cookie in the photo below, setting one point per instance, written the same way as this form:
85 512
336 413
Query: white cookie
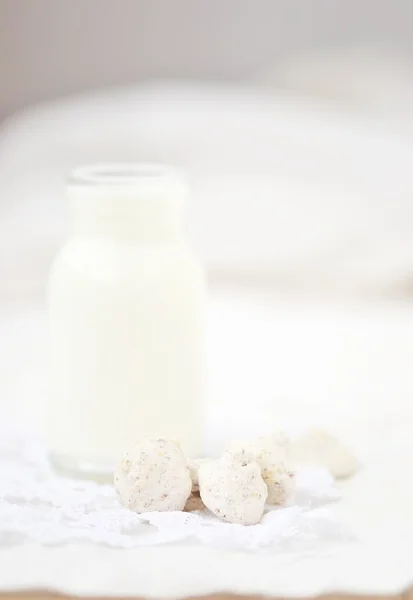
193 466
233 488
320 448
153 476
272 455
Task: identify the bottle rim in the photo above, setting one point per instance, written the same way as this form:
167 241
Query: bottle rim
129 175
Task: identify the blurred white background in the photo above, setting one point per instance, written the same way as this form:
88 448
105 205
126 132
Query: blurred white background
50 49
294 121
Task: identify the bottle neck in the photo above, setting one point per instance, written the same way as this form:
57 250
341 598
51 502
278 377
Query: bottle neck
137 203
146 222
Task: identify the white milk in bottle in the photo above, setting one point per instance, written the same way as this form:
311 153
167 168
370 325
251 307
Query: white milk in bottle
126 315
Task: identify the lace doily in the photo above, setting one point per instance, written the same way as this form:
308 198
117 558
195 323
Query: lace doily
36 505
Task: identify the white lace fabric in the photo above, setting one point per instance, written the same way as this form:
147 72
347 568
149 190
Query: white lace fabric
37 505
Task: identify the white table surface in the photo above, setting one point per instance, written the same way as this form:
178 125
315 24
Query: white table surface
273 361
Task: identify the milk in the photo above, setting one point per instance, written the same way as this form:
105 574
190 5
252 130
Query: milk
126 313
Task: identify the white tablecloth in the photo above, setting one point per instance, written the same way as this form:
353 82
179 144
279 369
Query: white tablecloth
298 363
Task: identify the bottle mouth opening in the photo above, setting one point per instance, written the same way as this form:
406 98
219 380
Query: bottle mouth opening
124 175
